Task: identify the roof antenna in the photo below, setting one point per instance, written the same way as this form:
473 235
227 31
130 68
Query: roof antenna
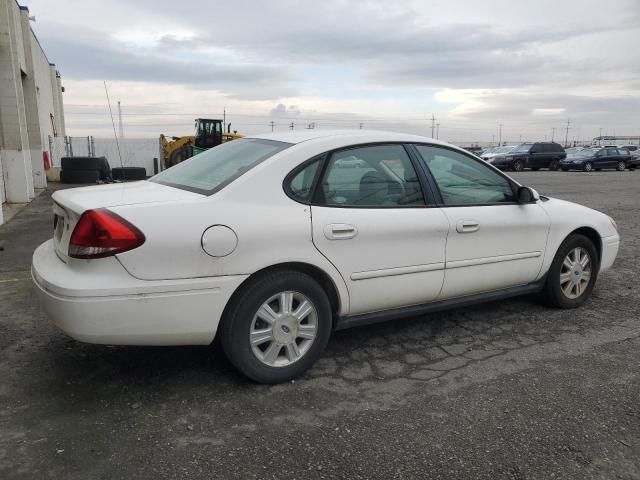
113 123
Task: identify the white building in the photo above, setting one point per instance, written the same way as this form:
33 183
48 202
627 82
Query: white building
31 109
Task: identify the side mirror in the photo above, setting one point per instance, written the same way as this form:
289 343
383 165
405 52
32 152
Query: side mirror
527 195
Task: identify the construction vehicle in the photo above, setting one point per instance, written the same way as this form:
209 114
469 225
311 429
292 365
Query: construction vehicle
209 133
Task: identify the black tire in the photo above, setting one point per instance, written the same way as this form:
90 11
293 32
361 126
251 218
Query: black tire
553 166
79 176
518 166
129 173
565 169
236 325
621 166
535 169
81 163
588 167
553 293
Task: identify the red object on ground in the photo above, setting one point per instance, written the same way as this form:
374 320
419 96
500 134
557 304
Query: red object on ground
45 159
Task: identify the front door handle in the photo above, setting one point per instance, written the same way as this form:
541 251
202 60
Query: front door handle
467 226
340 231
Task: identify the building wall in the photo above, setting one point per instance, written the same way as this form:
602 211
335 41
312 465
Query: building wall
31 108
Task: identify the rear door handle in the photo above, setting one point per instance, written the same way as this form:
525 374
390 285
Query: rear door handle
340 231
467 226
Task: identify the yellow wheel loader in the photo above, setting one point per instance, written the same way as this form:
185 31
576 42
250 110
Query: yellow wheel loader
209 133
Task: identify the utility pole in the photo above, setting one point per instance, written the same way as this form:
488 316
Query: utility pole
493 139
437 131
500 137
433 124
272 123
120 130
291 126
566 136
224 117
600 137
361 125
553 133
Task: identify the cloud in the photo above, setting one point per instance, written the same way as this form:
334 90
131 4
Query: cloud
473 63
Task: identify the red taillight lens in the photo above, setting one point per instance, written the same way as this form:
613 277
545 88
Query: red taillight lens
102 233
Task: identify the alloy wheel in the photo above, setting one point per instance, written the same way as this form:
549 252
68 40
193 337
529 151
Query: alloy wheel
621 166
283 329
517 166
588 167
575 273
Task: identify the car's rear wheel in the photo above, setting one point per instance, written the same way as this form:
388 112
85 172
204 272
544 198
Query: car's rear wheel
588 167
277 327
621 166
518 166
573 273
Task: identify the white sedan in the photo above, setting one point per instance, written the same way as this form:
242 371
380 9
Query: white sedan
271 244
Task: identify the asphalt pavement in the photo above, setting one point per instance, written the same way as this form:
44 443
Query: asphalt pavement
509 389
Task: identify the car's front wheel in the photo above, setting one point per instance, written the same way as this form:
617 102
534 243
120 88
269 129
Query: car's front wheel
621 166
553 166
518 166
573 273
277 327
588 167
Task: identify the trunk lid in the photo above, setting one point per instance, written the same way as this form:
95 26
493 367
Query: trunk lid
68 205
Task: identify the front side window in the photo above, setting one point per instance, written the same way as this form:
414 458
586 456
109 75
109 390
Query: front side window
463 180
375 177
210 171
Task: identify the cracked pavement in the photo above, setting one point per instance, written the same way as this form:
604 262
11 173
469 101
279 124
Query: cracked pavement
507 389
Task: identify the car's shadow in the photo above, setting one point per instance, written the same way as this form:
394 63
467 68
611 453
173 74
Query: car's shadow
97 371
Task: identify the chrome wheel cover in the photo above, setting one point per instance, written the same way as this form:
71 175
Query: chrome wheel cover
283 329
575 273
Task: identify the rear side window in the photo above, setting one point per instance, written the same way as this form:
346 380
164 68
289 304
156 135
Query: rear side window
371 177
300 187
215 168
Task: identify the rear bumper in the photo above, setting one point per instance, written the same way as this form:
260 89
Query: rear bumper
125 310
610 246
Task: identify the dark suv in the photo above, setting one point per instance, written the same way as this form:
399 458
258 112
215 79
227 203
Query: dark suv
531 155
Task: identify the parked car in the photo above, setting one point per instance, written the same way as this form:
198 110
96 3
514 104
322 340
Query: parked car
630 148
267 244
531 155
634 160
596 159
488 157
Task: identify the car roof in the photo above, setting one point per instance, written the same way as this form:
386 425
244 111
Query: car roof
345 136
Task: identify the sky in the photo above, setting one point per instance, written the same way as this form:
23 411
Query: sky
513 70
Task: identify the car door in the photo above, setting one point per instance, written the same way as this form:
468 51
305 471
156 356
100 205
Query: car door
536 156
493 242
372 219
612 158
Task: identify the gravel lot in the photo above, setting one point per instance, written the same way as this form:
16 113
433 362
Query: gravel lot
502 390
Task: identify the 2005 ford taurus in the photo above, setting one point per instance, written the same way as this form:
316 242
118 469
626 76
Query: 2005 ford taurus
273 242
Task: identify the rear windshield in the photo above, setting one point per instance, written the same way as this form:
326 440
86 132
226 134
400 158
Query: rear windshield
212 170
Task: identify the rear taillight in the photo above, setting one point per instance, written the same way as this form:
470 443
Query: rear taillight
101 233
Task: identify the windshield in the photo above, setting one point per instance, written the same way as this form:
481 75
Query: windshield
525 147
506 149
215 168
